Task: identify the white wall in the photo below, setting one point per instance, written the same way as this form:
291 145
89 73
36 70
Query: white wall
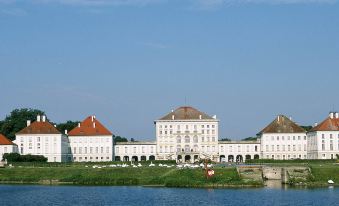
323 144
194 136
138 149
91 148
284 146
230 151
7 149
52 146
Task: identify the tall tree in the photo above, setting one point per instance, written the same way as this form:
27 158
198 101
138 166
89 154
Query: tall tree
307 128
69 125
120 139
17 120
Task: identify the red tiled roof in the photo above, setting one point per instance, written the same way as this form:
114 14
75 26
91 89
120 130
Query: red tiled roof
39 128
5 141
90 127
186 113
329 124
282 124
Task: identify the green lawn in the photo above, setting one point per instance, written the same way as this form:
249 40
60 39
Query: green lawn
155 176
321 173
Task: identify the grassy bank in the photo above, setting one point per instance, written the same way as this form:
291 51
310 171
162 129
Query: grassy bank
155 176
321 173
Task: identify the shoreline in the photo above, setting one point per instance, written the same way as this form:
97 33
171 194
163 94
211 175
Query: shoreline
207 186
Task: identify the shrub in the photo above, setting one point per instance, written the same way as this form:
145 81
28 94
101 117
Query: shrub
15 157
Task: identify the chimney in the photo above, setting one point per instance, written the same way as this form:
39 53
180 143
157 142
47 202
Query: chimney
79 124
93 124
331 115
316 124
44 118
66 132
55 125
92 118
278 118
337 115
291 118
28 122
172 117
200 116
38 118
214 117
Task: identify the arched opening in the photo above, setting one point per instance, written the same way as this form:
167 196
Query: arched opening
256 156
134 158
152 157
126 158
248 157
239 158
230 158
196 158
117 158
187 158
143 158
222 158
179 157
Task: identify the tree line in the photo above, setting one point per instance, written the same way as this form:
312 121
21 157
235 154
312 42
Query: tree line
17 120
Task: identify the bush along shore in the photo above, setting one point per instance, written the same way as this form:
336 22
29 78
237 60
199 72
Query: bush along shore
93 174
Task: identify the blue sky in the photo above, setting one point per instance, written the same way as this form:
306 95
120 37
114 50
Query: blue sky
132 61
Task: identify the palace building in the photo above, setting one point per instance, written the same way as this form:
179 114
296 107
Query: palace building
6 146
185 135
43 138
283 139
90 141
323 139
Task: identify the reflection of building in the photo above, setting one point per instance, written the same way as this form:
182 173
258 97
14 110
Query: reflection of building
6 146
42 138
91 141
283 139
323 139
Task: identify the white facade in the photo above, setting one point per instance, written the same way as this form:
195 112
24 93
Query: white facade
7 149
90 141
135 151
284 146
91 148
187 140
52 144
238 151
323 139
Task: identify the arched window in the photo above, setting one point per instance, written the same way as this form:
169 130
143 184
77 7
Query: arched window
178 148
195 139
178 139
187 139
187 148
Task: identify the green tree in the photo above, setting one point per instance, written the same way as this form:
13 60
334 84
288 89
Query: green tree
307 128
250 139
69 125
17 120
119 139
226 139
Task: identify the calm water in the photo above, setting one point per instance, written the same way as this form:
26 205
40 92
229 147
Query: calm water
71 195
